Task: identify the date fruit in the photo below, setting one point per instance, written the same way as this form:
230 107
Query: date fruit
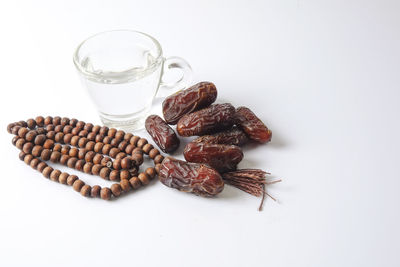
198 96
252 125
234 136
162 134
194 178
215 118
223 158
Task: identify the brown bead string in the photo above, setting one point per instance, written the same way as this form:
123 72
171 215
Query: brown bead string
107 152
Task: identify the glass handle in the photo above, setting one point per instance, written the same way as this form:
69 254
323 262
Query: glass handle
168 88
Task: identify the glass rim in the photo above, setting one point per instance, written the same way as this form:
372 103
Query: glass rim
95 75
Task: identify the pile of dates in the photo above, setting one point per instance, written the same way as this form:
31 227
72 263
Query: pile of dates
222 130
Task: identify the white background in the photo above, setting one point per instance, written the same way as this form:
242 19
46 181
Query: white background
323 75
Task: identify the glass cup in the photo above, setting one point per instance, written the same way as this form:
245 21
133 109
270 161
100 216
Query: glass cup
123 70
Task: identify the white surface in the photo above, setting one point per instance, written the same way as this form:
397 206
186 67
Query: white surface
323 75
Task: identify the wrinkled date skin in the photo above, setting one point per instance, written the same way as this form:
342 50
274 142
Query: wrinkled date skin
252 125
162 134
209 120
234 136
198 96
223 158
194 178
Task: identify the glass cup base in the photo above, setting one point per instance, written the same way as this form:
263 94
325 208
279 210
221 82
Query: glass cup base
129 122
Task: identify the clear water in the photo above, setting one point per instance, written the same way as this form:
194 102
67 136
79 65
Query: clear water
124 95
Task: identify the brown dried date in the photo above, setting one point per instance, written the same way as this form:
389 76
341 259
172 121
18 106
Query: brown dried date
223 158
198 96
162 134
252 125
190 177
215 118
234 136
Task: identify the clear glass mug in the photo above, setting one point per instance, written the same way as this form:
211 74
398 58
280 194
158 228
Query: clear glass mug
123 71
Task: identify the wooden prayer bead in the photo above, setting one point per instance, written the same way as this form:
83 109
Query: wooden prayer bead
82 153
137 159
97 158
129 148
30 136
96 129
137 150
28 158
20 143
116 190
135 182
114 142
57 147
34 163
71 179
65 150
83 133
73 152
80 124
31 123
64 121
123 145
45 155
48 120
57 120
79 165
64 159
104 173
134 139
62 179
105 193
55 156
98 147
78 184
141 142
151 172
48 144
125 185
106 149
40 139
39 121
71 162
153 153
158 159
147 147
157 167
126 163
114 175
21 155
124 174
36 150
144 178
75 131
117 164
50 133
85 190
91 136
22 132
120 155
87 168
67 129
103 130
113 152
88 126
73 122
112 132
96 169
40 167
58 128
95 192
54 175
107 140
68 138
128 136
59 137
106 162
82 142
89 156
47 171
